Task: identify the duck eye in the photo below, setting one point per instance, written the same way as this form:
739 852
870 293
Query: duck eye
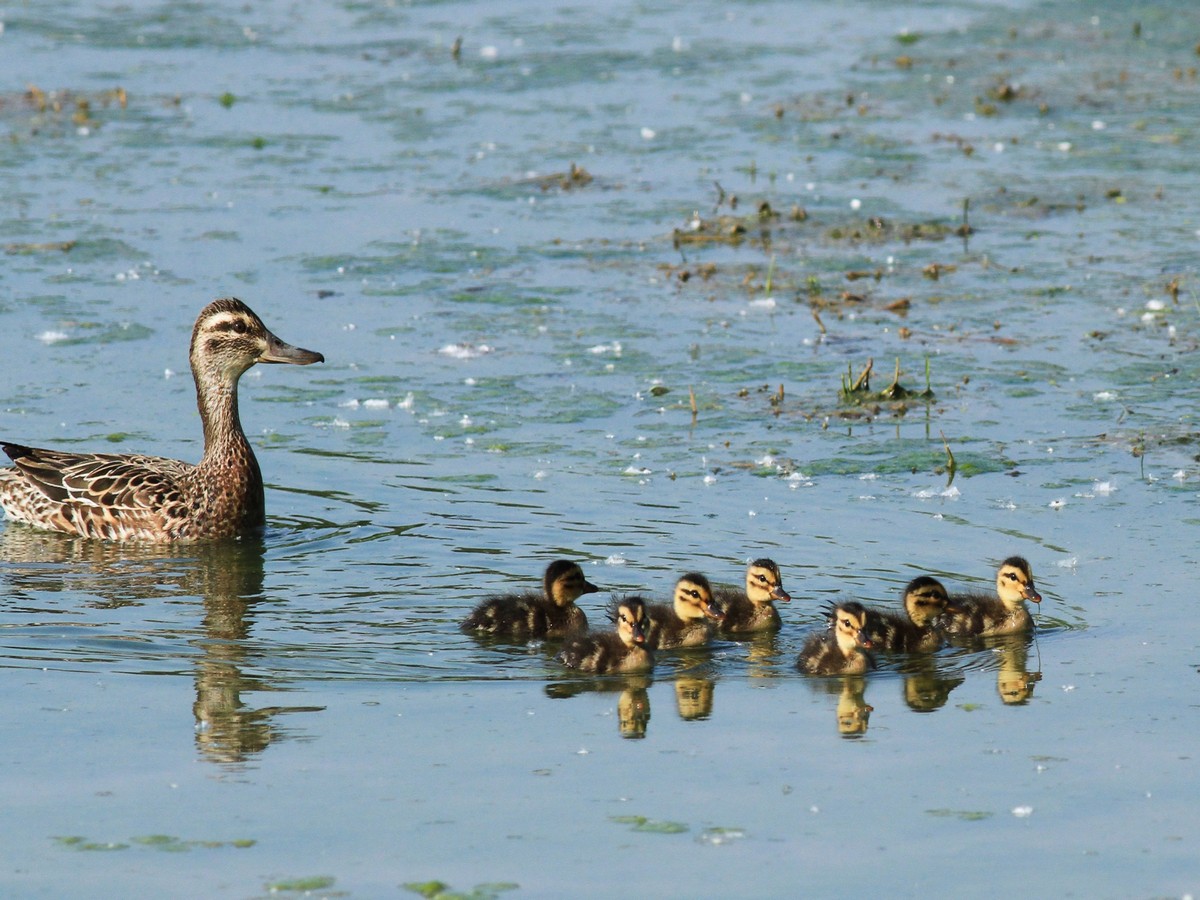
239 326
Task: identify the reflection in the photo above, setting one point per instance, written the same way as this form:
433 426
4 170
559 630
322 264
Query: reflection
694 697
227 576
925 687
762 653
1014 681
633 702
853 711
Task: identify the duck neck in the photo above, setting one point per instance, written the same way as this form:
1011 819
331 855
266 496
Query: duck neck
224 441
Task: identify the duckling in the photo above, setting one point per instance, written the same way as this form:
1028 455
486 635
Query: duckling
689 620
754 608
552 613
147 498
985 615
840 649
925 602
620 651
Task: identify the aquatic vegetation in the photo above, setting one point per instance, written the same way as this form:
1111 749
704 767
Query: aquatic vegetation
440 890
164 842
302 885
651 826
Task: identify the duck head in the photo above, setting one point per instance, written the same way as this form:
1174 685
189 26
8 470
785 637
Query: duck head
694 599
564 582
1014 582
764 584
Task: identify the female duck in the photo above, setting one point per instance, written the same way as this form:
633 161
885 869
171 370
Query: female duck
613 652
754 609
552 613
689 620
985 615
840 649
919 630
147 498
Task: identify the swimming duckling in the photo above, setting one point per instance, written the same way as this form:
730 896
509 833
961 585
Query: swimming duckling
925 602
124 497
984 615
552 613
754 608
623 650
840 649
689 620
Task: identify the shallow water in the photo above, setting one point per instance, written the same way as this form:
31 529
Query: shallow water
512 357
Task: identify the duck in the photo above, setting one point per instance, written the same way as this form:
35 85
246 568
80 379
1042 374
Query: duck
987 615
552 613
119 497
689 620
753 609
613 652
919 629
842 648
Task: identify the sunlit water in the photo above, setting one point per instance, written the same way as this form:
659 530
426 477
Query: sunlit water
513 355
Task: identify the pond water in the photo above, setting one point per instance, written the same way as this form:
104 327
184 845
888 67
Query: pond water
590 283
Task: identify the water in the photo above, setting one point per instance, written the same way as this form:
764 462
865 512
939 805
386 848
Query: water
512 357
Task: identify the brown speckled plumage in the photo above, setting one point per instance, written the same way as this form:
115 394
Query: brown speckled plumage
148 498
552 613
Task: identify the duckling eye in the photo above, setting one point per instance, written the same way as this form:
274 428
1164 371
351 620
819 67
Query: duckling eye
239 326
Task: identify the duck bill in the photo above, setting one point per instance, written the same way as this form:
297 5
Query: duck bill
279 352
713 610
587 587
1031 595
864 640
778 593
639 634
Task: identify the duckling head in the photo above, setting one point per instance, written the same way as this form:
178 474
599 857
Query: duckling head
630 616
764 584
849 624
924 600
1014 583
565 583
694 599
229 338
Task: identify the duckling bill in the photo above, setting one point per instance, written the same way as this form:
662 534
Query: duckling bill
552 613
148 498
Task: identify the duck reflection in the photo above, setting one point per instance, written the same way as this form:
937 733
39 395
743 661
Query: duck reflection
633 700
1014 681
226 575
853 711
694 697
926 688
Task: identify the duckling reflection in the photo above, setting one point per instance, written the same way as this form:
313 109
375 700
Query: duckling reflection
633 699
753 609
228 575
926 688
689 620
694 697
984 615
1014 681
552 613
842 648
926 604
853 711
